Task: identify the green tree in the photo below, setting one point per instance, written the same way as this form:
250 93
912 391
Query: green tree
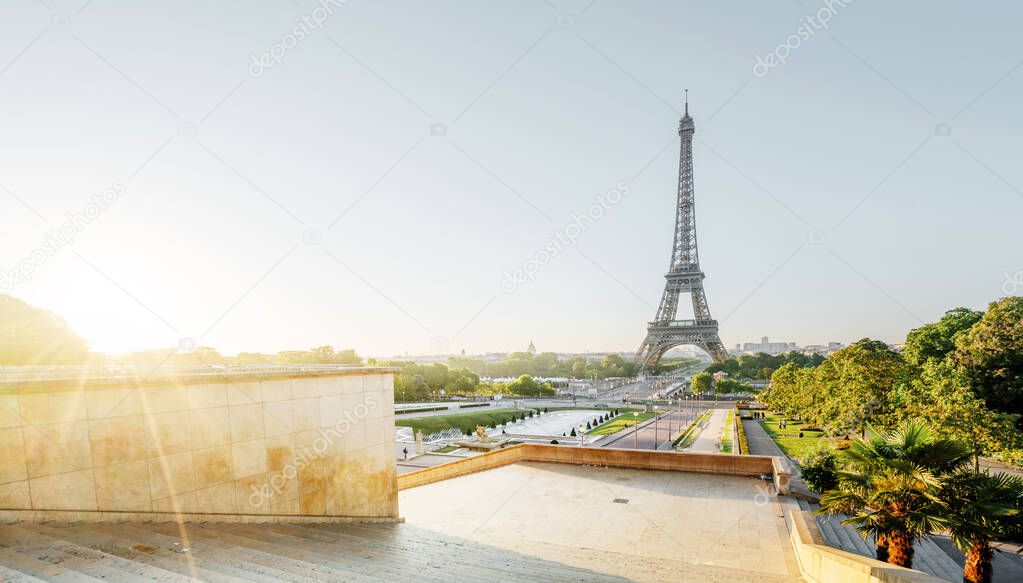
32 336
819 469
702 382
937 340
728 386
526 385
991 353
942 396
890 485
980 508
857 387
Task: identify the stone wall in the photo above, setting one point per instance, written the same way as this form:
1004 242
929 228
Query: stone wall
226 448
743 465
819 563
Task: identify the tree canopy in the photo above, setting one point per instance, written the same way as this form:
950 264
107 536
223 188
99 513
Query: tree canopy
991 354
937 340
762 365
33 336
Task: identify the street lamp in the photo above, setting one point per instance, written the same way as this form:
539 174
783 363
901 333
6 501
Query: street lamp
657 425
635 431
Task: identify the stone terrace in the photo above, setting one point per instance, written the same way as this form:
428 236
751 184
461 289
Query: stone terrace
527 521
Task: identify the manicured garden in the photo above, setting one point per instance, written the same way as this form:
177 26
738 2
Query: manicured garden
462 421
623 420
726 433
689 437
788 438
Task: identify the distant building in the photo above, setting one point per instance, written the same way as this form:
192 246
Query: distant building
823 349
532 348
766 346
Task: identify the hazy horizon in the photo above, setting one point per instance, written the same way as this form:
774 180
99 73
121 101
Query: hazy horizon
310 197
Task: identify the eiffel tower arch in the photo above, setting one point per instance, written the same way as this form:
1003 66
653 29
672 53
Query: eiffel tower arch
684 275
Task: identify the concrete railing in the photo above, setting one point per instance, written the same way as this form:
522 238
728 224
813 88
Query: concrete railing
820 563
708 463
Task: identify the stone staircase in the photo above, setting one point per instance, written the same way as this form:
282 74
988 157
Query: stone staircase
927 556
228 553
1007 565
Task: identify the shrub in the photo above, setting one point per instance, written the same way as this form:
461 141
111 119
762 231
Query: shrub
819 469
554 442
573 433
588 426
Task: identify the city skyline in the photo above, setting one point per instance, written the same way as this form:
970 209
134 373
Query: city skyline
372 187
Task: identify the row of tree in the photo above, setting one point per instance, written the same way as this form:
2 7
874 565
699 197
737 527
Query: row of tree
963 375
547 364
703 383
762 365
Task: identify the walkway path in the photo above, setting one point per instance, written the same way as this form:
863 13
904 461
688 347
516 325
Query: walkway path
709 439
760 443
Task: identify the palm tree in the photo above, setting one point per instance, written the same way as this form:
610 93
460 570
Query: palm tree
980 508
889 487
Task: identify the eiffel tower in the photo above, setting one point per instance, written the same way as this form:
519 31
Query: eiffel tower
684 275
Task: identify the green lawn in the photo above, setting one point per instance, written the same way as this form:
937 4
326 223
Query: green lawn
447 449
692 435
726 434
626 419
788 439
462 421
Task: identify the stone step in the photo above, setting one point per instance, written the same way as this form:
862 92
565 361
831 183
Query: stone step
220 558
840 536
399 562
937 562
99 565
261 562
461 555
111 540
11 576
421 556
261 539
1007 567
35 569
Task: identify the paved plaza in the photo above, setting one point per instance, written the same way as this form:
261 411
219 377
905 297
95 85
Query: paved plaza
639 525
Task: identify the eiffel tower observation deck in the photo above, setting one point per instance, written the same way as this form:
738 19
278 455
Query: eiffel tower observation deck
684 274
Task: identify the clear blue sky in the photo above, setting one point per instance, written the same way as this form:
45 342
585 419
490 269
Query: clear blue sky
207 239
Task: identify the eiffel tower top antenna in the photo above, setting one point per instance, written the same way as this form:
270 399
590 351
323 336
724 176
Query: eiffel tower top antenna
687 100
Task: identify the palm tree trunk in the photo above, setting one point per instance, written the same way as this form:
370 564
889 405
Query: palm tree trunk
977 568
900 549
881 548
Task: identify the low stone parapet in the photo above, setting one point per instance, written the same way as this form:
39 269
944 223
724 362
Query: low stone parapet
709 463
820 563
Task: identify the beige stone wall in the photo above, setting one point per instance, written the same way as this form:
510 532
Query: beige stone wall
709 463
308 446
819 563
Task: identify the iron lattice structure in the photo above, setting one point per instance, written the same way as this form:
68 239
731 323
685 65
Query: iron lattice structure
684 275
